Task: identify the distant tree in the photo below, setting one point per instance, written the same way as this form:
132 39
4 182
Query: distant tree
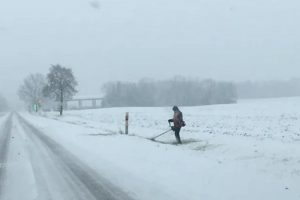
61 85
31 91
3 104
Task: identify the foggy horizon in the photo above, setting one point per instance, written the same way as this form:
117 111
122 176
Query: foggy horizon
149 99
130 40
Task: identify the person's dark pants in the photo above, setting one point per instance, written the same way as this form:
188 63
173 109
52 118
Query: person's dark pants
177 131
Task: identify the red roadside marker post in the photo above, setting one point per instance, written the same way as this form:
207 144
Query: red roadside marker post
126 123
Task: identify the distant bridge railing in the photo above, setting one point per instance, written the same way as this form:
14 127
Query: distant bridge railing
83 103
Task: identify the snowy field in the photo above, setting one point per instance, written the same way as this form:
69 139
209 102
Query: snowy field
249 150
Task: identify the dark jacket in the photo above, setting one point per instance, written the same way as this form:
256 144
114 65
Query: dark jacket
177 119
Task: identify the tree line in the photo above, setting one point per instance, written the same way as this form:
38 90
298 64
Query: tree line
268 89
177 91
60 84
3 104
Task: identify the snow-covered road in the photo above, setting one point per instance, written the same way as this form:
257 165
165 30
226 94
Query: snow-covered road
34 166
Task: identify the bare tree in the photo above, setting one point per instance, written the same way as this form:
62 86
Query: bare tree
31 91
61 85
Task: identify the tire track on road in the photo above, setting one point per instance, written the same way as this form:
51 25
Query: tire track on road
5 135
80 181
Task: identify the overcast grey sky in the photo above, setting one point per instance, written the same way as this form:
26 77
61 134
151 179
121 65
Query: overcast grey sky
131 39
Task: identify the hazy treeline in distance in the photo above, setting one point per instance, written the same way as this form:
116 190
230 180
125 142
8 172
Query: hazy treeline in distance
3 104
177 91
268 89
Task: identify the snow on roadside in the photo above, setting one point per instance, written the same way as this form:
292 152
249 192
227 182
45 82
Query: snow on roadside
263 119
245 151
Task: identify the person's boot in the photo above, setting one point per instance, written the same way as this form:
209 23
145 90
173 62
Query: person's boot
178 141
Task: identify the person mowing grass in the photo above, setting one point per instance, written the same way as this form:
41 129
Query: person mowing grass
178 123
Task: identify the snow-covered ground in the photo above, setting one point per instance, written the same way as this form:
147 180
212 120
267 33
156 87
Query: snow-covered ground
249 150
